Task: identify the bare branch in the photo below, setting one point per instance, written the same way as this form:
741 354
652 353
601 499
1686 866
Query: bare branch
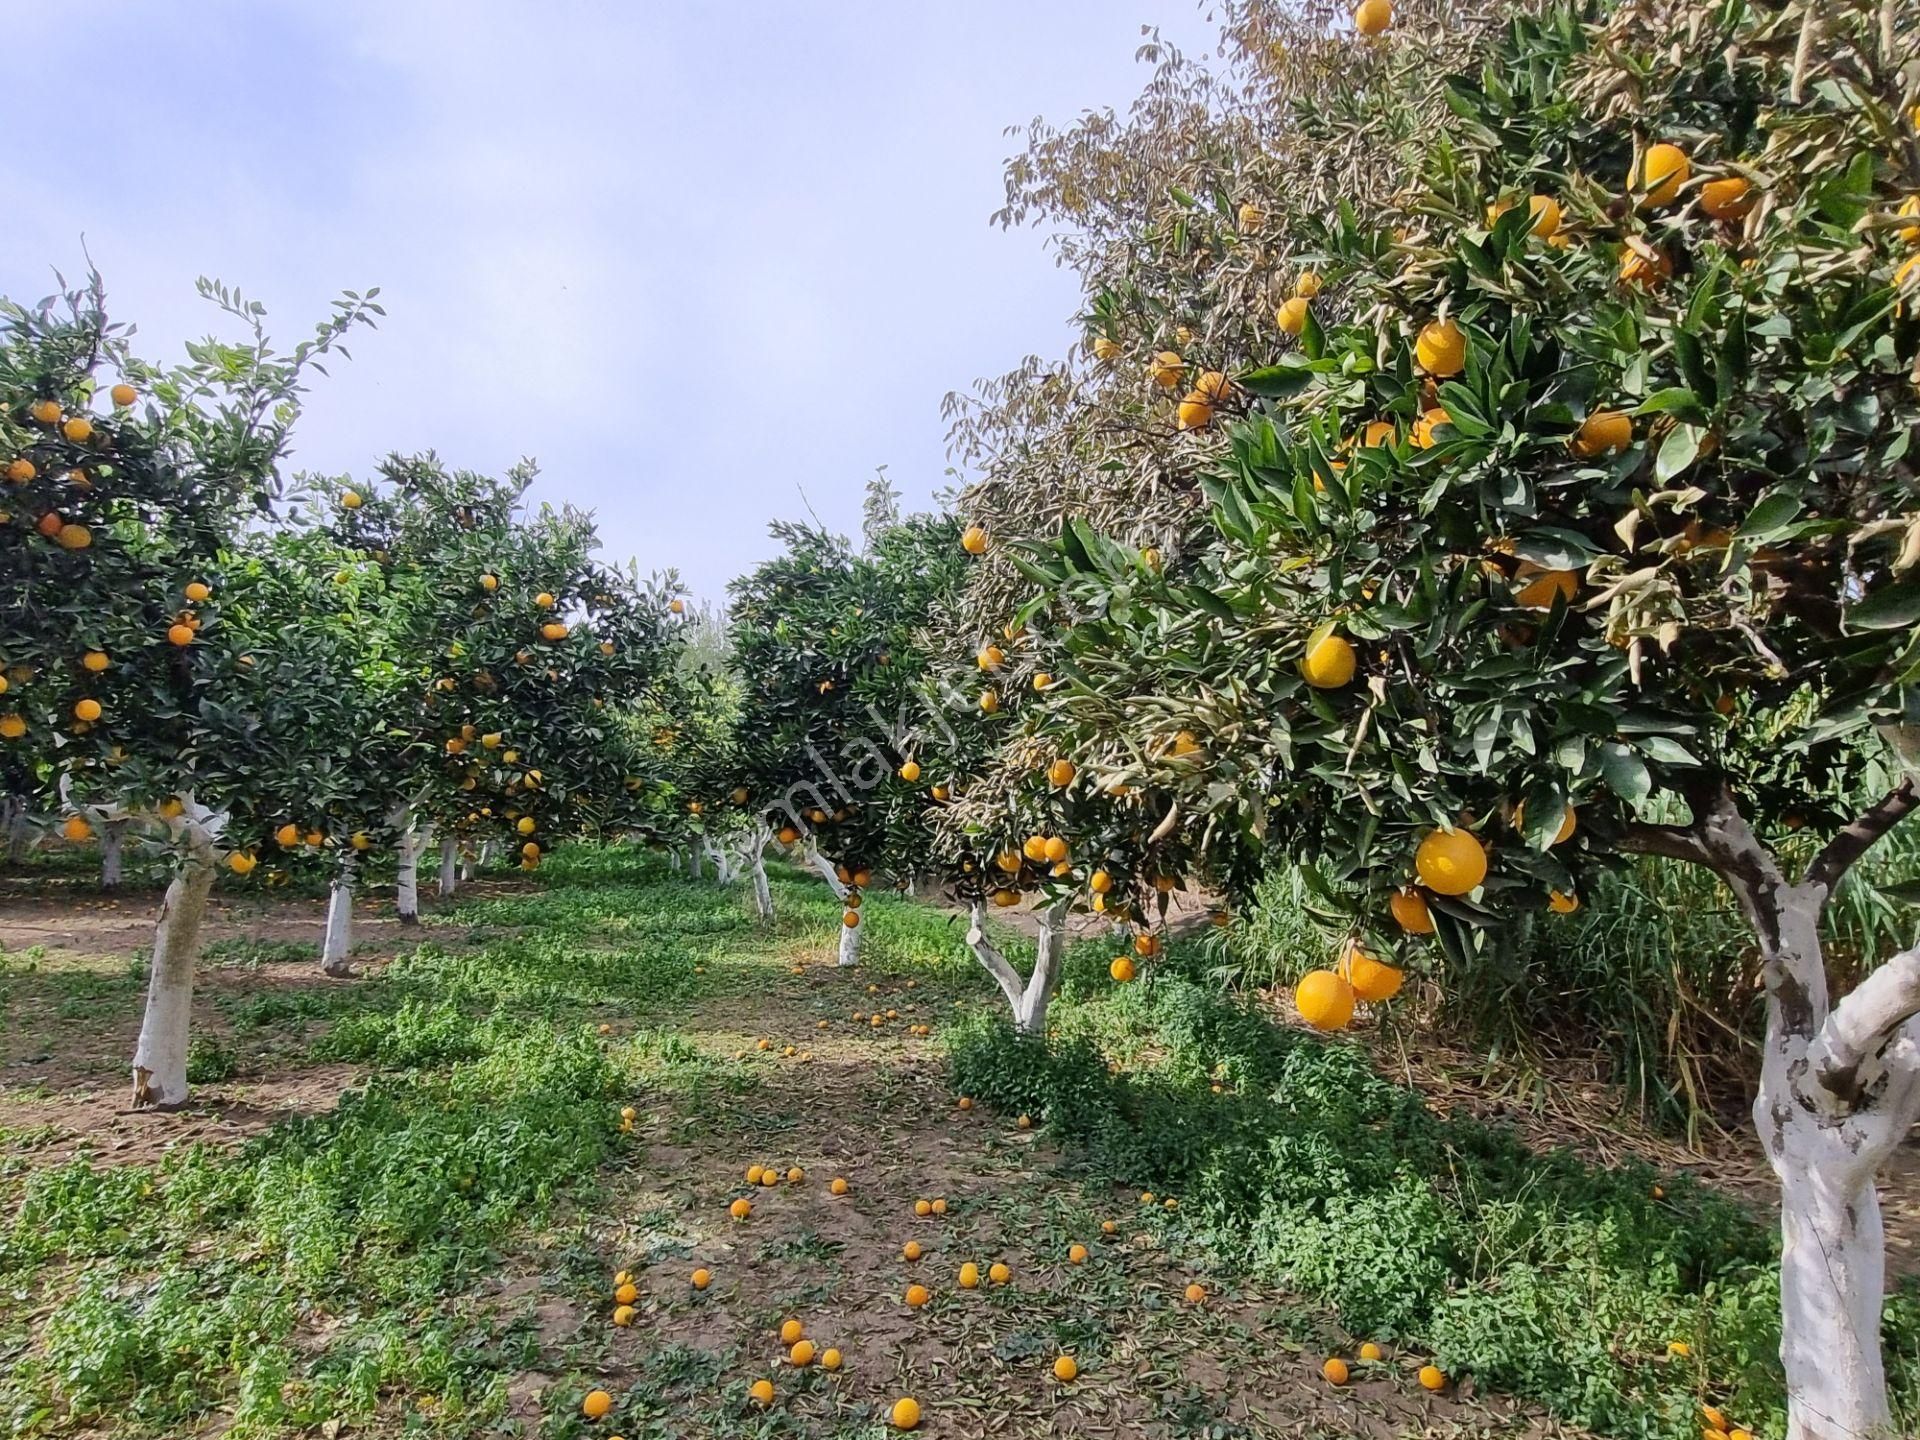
992 961
1861 836
1674 842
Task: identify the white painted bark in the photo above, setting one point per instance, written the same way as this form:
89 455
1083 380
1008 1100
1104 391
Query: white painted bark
160 1055
673 860
757 854
1030 997
850 943
336 947
113 836
849 934
406 879
449 866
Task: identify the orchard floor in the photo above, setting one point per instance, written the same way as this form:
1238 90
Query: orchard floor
146 1293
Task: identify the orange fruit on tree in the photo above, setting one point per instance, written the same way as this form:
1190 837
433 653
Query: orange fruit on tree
1060 774
1329 664
973 540
22 470
1121 969
1660 174
1562 904
1409 907
543 600
241 863
95 660
122 395
1546 216
1100 882
910 772
1195 411
596 1404
850 918
47 412
553 630
1441 348
1645 267
350 500
1291 317
905 1413
1431 419
79 429
1335 1371
1542 586
73 537
1373 17
1450 862
1146 946
1371 980
77 829
1604 432
12 727
1167 369
1105 349
1324 1000
1727 198
50 523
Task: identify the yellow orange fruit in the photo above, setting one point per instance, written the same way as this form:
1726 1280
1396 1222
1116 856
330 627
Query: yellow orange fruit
88 709
123 395
917 1296
1644 267
1195 411
1562 904
1324 1000
47 412
1121 969
1060 774
1372 980
973 540
1660 174
1604 432
12 727
1076 1254
1432 1377
1307 285
801 1354
1334 1371
350 500
1409 908
761 1392
1291 317
1441 348
241 863
1371 1353
1329 664
830 1359
596 1404
790 1331
1373 17
740 1209
905 1414
998 1273
910 772
1541 587
1196 1293
1167 369
79 429
1450 862
1105 349
1066 1369
702 1278
969 1277
76 829
911 1250
989 701
623 1315
838 1185
1727 198
1546 216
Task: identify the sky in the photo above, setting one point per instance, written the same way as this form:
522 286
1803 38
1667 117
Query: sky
699 262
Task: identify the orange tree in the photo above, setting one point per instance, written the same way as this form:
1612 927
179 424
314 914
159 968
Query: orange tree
832 739
516 656
124 488
1571 516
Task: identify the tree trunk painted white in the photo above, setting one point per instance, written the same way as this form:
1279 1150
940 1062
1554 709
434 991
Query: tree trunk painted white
337 945
1839 1091
160 1055
486 854
850 943
849 934
695 870
1027 998
407 851
19 831
449 865
113 836
762 891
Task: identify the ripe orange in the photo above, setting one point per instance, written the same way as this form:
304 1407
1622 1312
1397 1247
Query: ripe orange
1370 1353
1432 1377
1371 980
791 1331
1291 317
95 660
12 727
241 863
1104 349
1329 664
1060 774
78 430
966 1102
123 395
990 657
1076 1254
73 537
1100 882
1542 586
1042 680
1324 1000
1056 850
1066 1368
626 1293
1196 1293
850 918
1409 907
596 1404
1373 17
761 1392
1660 174
801 1354
1167 368
1025 1122
702 1278
989 702
973 540
88 709
77 829
50 524
740 1209
1713 1417
940 1202
543 600
917 1296
350 500
905 1413
1450 862
1562 904
1430 420
1195 411
1727 198
1644 267
1335 1370
923 1208
838 1186
1146 946
1441 348
1604 432
623 1315
47 412
1546 216
553 630
830 1359
910 772
998 1273
1121 969
911 1250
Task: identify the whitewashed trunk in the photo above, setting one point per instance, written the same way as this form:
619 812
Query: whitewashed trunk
1832 1286
449 866
850 943
113 837
160 1055
694 862
1029 999
19 832
673 860
756 860
337 945
406 879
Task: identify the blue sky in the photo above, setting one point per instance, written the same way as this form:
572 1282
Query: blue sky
693 260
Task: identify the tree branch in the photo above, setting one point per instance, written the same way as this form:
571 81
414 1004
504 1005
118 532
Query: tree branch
1675 842
1845 1058
991 960
1861 836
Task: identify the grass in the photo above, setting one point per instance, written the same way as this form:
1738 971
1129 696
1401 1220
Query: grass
432 1252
